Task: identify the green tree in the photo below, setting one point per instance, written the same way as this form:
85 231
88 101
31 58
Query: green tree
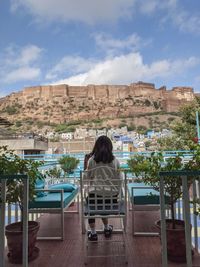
68 164
54 173
184 131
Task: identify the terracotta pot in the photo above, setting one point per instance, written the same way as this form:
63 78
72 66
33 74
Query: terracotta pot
13 233
176 247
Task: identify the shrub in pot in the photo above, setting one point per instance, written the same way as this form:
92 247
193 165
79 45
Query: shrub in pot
148 167
54 173
68 164
11 164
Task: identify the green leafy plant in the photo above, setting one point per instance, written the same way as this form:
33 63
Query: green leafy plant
12 164
68 164
54 173
148 168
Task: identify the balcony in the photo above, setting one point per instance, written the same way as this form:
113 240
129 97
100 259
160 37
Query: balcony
142 251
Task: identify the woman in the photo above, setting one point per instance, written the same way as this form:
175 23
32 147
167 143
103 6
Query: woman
102 168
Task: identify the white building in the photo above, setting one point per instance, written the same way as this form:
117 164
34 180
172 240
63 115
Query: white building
92 133
50 134
67 136
101 132
80 133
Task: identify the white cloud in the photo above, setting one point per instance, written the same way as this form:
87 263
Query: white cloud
151 6
72 65
19 63
21 74
29 54
129 68
174 12
187 22
87 11
113 46
95 11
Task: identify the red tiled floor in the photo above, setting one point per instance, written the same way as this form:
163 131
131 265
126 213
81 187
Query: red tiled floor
142 251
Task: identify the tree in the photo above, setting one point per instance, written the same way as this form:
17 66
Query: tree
184 131
68 164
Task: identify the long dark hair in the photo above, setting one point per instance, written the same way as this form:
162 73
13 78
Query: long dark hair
102 151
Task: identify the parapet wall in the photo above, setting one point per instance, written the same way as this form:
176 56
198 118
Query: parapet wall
111 92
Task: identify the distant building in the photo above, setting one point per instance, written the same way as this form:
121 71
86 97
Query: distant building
80 133
67 136
25 144
150 134
101 132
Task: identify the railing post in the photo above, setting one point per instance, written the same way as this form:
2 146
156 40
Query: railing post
163 224
195 216
82 211
197 125
25 222
2 222
186 202
3 180
125 195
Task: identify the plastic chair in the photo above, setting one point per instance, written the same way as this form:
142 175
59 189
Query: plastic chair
108 200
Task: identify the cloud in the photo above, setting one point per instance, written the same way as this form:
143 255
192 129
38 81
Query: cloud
71 65
113 46
151 6
104 11
87 11
21 74
19 63
187 22
173 12
128 68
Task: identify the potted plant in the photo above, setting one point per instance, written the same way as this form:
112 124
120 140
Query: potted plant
148 167
68 164
11 164
54 173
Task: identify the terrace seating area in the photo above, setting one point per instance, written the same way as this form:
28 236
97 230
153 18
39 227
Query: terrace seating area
141 250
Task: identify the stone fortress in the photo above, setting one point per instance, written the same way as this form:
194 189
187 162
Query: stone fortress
110 92
100 101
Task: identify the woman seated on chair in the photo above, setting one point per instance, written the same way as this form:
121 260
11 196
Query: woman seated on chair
103 165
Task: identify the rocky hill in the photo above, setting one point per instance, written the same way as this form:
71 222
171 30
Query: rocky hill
73 105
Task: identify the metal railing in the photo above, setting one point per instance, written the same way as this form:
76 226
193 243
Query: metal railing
3 181
186 209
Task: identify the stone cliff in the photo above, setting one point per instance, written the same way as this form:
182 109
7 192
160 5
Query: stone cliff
63 103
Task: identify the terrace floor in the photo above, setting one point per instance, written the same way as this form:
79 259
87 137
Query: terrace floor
142 251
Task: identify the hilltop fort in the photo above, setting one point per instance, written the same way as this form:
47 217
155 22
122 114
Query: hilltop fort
62 103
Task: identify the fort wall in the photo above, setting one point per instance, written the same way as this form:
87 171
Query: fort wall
110 92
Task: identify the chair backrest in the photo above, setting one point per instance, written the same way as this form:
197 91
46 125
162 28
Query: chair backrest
102 190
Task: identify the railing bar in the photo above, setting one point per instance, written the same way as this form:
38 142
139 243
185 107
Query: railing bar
186 205
9 213
195 216
2 222
25 222
198 188
179 208
163 224
16 213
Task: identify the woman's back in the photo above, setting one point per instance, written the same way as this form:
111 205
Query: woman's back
105 177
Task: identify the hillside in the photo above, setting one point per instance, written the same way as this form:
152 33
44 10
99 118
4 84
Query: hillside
42 108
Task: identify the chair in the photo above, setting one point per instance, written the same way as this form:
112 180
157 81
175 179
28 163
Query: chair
143 198
110 205
56 199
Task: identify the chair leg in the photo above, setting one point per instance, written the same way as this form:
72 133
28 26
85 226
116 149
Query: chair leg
62 224
133 221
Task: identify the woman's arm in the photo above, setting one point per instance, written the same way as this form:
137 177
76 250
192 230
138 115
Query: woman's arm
88 171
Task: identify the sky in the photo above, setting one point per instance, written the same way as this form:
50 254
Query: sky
80 42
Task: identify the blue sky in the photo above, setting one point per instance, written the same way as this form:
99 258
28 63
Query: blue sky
80 42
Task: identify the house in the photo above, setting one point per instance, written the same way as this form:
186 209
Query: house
67 136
